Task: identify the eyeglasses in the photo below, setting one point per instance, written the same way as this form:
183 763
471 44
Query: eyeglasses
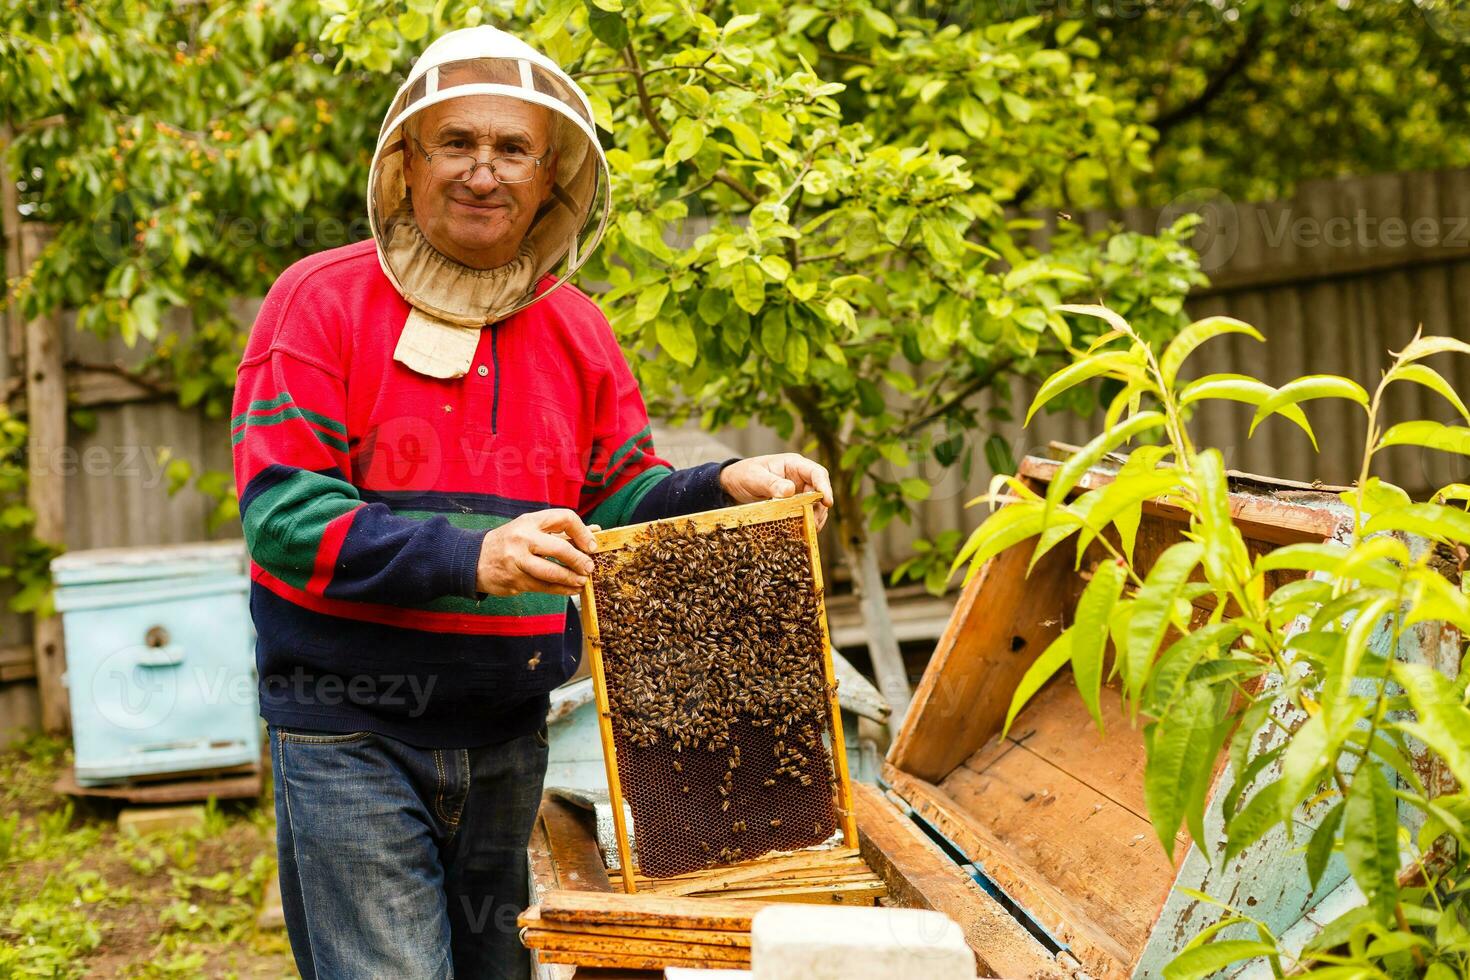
460 167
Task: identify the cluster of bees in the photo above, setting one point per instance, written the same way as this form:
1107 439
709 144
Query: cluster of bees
705 632
710 640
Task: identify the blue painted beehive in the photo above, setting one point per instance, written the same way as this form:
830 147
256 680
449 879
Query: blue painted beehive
160 661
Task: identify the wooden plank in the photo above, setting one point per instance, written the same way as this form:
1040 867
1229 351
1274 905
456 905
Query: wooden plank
593 642
1057 911
648 910
531 919
617 538
846 818
851 893
1100 854
1272 517
46 494
1056 728
572 842
618 961
570 942
920 876
1001 624
758 870
182 791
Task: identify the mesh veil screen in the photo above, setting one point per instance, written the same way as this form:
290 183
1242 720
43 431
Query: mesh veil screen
713 655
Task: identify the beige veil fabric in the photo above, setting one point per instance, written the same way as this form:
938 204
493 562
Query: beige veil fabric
452 302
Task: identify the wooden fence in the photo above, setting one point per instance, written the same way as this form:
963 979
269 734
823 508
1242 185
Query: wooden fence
1334 278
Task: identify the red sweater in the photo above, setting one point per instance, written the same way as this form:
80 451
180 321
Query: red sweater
366 488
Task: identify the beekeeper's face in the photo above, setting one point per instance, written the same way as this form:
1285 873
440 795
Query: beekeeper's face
479 222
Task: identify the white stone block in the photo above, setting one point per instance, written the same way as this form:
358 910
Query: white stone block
814 942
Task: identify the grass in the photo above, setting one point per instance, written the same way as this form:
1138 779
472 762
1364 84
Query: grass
80 899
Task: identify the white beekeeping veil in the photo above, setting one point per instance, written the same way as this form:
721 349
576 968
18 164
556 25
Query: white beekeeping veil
452 301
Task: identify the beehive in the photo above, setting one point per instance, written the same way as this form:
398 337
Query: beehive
716 696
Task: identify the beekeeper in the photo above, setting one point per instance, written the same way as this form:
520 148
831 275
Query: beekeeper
425 427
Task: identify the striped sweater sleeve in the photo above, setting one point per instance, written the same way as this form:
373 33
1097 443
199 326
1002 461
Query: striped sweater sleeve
304 522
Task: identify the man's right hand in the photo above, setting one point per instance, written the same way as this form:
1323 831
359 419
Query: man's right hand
516 557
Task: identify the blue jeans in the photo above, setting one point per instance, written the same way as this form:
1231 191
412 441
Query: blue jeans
401 862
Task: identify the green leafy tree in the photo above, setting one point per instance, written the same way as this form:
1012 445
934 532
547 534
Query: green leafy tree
1299 685
811 224
1250 97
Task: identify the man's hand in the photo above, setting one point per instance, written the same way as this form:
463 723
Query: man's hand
516 557
777 475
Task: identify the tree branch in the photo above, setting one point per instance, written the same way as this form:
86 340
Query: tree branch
1196 106
644 102
977 384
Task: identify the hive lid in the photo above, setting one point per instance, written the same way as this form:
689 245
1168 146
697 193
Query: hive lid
139 564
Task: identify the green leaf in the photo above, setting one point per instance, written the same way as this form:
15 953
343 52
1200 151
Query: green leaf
1124 363
1102 313
676 336
914 488
1311 387
746 138
998 455
650 301
739 23
1091 623
798 354
1421 347
1428 377
1430 435
1430 520
1018 107
412 25
685 139
748 286
1081 461
1370 839
840 34
1057 653
1320 847
975 118
1151 610
1180 756
1169 677
773 332
1008 526
1201 961
1260 814
1240 388
606 25
1195 334
1442 719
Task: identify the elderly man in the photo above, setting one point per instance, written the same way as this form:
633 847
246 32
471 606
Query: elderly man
428 426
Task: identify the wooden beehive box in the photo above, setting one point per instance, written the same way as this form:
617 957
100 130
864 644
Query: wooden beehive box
1053 817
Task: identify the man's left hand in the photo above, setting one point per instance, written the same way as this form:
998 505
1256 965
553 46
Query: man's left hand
777 475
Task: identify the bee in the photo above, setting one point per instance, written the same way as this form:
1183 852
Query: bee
775 821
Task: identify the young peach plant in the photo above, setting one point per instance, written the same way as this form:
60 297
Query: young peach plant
1300 682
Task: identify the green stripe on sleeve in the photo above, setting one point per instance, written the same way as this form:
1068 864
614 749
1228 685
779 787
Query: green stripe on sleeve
265 404
617 510
289 413
633 443
287 547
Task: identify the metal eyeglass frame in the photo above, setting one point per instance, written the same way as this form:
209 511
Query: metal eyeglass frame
477 164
